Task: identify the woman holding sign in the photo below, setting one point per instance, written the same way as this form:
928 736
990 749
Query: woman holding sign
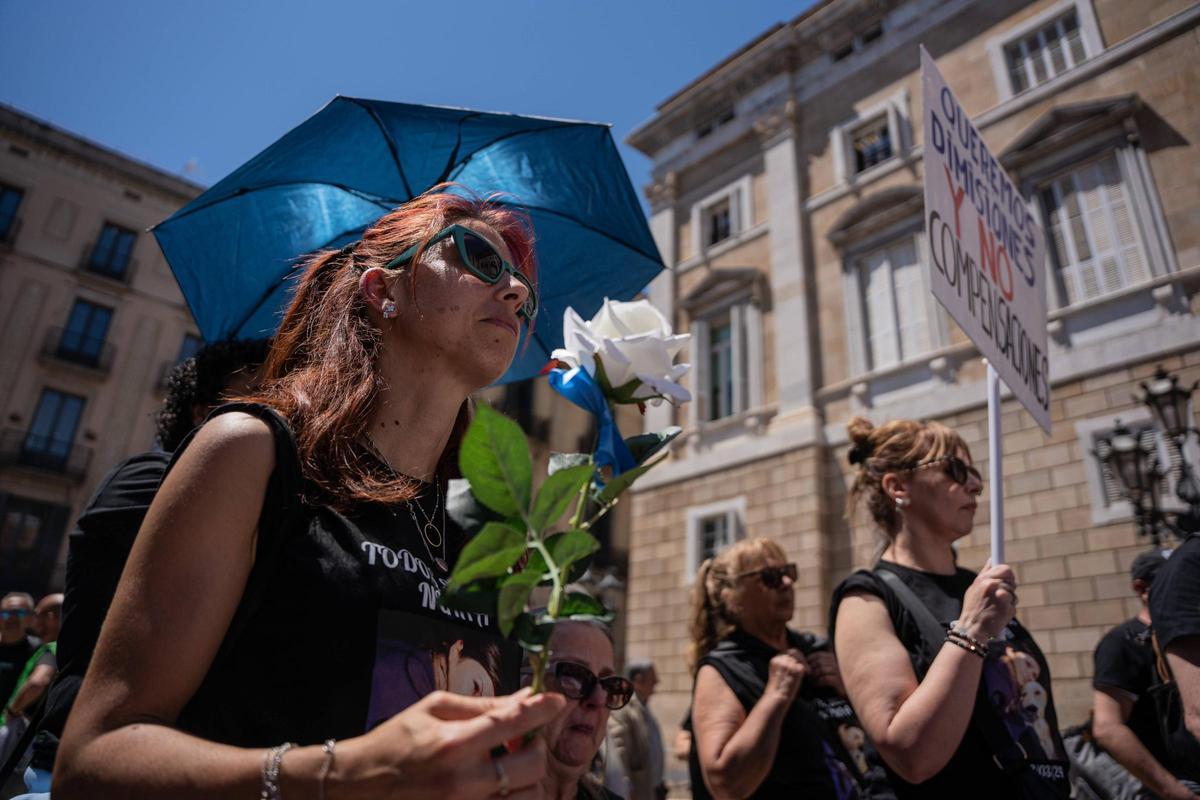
952 690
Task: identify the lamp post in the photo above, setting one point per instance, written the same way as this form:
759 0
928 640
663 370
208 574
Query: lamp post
1136 465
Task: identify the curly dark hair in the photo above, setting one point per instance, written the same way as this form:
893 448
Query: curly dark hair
202 379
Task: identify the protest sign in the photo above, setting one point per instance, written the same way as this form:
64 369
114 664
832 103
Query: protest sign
987 251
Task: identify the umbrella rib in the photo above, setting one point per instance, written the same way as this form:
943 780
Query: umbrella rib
379 200
457 146
271 287
591 228
387 137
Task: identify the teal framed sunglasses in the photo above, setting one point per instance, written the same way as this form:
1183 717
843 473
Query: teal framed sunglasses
480 259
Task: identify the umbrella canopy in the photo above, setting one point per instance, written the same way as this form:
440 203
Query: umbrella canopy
233 248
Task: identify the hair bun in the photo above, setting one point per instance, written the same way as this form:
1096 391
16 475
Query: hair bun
861 447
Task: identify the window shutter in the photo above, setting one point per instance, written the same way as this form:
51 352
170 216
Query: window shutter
754 356
880 328
737 326
912 323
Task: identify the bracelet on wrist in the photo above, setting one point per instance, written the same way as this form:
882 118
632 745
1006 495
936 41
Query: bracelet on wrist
327 749
270 771
966 645
959 630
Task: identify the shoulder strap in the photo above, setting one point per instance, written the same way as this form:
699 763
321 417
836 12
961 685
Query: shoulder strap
931 630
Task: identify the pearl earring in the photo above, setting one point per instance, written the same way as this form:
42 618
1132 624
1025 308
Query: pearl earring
901 502
389 309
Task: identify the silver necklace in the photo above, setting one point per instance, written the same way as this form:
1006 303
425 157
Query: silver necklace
431 536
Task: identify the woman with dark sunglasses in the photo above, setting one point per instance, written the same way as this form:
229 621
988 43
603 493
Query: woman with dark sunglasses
300 536
581 669
954 692
767 702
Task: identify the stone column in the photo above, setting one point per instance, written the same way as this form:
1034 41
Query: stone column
789 289
662 196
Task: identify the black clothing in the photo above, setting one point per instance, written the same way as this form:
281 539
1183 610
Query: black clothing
1175 594
13 658
811 760
1175 613
339 626
98 548
1015 690
1124 660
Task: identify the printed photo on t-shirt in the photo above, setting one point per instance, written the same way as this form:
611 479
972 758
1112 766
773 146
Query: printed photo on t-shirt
1017 692
417 654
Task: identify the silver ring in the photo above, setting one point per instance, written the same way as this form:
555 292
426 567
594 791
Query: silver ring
501 778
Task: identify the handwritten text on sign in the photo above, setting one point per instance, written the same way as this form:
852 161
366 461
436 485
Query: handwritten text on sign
986 248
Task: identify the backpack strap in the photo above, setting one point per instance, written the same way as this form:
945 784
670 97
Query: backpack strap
1006 752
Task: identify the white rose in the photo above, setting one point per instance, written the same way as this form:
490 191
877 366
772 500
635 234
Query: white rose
634 342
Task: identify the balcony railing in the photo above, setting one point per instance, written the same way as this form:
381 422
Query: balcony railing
75 348
19 448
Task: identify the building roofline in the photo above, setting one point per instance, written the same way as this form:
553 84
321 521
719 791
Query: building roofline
73 144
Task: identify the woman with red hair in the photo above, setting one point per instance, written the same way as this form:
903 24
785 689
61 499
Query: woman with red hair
301 534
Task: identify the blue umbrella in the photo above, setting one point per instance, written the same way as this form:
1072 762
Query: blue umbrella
234 248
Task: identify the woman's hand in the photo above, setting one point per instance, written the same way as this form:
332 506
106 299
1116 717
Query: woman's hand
990 602
785 674
824 669
441 748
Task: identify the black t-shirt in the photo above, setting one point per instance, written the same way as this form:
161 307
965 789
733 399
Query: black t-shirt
1175 595
340 628
813 759
1015 689
13 658
1124 660
98 548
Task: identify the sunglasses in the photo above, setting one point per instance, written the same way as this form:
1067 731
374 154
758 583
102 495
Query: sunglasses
958 470
578 682
480 259
772 577
19 613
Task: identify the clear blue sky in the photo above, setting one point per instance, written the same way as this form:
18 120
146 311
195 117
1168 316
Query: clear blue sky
214 82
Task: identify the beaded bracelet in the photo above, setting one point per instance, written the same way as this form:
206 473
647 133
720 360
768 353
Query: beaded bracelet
965 645
961 632
270 771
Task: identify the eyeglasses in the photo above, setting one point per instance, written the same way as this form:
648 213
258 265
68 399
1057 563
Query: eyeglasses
19 613
578 682
958 470
480 259
772 577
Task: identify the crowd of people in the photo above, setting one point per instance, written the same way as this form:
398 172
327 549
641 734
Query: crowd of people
228 631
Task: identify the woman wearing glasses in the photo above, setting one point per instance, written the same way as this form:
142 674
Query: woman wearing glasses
581 669
951 688
767 705
301 535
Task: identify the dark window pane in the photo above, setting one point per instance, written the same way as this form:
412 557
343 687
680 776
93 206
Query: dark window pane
54 424
111 254
872 146
83 337
10 201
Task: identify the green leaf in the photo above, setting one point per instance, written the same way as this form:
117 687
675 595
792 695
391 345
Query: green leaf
613 488
556 495
643 446
494 457
513 597
576 605
561 461
488 554
533 634
480 597
570 546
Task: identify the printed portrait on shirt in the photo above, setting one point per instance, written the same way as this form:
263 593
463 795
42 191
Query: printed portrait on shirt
1017 691
417 654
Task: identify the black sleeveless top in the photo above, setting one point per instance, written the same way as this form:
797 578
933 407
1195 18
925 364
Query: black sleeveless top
1015 690
339 627
822 751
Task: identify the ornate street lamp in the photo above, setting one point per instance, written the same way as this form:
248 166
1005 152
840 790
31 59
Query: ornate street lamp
1136 467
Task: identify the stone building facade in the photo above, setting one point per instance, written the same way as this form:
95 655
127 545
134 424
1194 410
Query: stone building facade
91 319
786 197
